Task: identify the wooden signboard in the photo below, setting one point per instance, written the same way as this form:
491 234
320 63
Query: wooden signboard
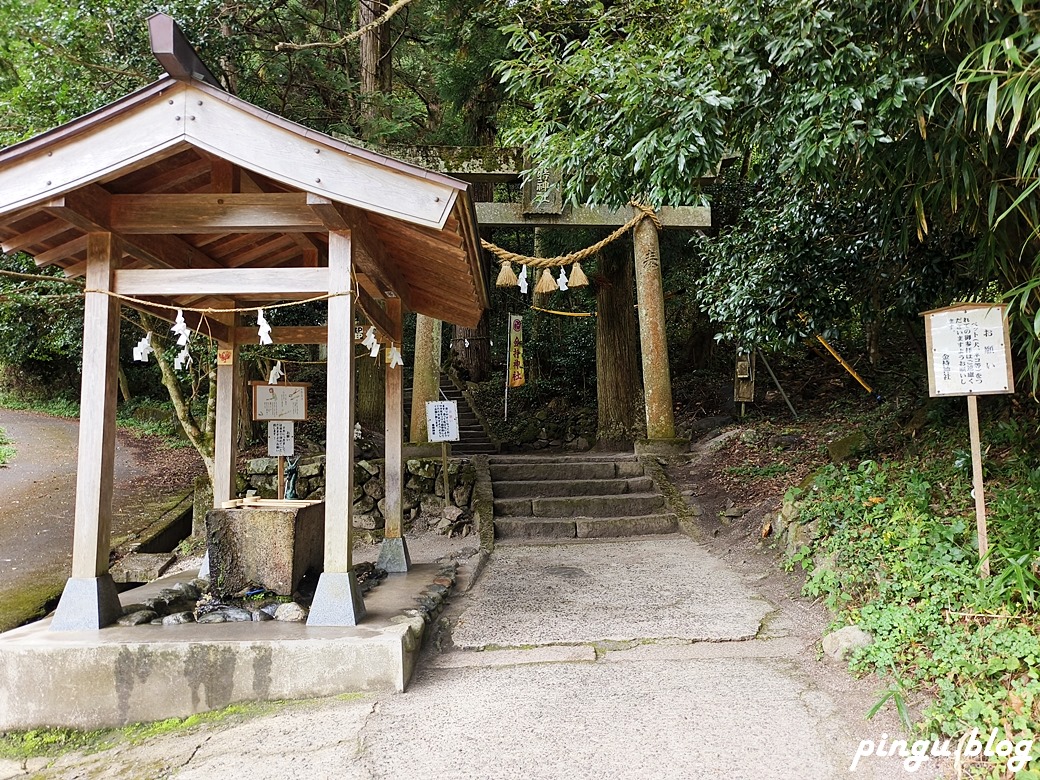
969 354
969 351
284 401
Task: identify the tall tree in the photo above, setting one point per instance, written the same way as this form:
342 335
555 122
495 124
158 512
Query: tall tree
617 348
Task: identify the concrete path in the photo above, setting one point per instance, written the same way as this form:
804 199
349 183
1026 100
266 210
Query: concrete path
646 658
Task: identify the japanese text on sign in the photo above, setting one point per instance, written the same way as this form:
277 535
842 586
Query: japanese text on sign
442 420
279 402
968 351
516 351
280 439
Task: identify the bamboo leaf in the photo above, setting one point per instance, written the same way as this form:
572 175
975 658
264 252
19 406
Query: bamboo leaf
991 106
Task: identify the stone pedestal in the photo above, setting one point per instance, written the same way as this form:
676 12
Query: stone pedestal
269 547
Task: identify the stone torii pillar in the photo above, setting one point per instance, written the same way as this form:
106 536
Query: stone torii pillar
393 552
337 600
90 600
653 342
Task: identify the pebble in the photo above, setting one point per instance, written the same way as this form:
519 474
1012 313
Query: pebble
139 617
213 617
178 618
130 609
269 609
236 614
259 616
187 590
290 612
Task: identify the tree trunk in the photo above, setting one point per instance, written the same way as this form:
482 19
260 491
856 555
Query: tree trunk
617 348
371 395
376 73
471 351
426 373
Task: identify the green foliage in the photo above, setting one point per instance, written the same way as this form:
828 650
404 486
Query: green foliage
917 119
7 450
800 262
41 318
894 551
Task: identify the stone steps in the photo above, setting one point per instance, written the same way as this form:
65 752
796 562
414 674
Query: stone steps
566 487
584 527
623 505
473 439
584 497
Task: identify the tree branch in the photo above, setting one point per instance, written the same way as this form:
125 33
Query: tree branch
390 12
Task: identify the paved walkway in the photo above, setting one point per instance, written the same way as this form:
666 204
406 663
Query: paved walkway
647 658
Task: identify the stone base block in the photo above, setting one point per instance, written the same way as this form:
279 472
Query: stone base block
393 555
87 603
268 547
337 601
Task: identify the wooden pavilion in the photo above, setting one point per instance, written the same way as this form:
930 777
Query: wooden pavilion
183 195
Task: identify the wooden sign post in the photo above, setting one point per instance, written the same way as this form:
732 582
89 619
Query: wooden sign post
442 424
280 405
969 354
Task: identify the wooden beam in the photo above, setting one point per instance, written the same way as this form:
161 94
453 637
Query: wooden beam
97 430
88 210
511 215
175 53
37 235
246 212
287 282
63 252
285 334
370 256
378 317
225 431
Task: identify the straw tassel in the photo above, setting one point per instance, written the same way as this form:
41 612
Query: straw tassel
578 277
506 276
546 284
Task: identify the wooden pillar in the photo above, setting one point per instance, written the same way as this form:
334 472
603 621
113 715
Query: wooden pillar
89 600
225 432
657 381
393 552
337 600
426 376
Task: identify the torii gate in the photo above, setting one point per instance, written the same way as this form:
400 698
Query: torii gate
182 195
542 207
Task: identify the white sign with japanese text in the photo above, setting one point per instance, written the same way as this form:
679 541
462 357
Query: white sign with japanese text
969 352
280 439
442 420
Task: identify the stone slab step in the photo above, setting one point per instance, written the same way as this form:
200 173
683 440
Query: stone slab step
562 470
585 457
625 505
601 527
574 487
584 528
534 528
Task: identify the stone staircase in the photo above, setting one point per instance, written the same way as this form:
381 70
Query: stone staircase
473 439
576 496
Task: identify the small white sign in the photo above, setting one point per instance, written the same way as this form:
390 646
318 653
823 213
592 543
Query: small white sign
280 439
969 352
442 420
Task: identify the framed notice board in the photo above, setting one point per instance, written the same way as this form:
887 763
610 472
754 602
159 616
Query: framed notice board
279 402
969 351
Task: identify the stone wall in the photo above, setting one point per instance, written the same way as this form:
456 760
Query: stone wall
423 495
